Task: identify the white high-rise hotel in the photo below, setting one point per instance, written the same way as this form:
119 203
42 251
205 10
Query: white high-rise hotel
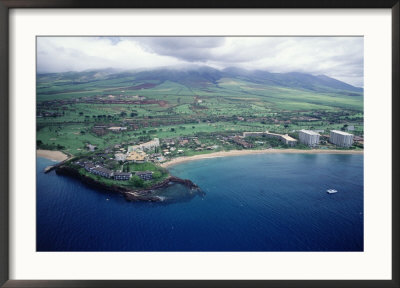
340 138
309 137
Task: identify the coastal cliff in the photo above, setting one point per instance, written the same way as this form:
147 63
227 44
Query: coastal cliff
145 194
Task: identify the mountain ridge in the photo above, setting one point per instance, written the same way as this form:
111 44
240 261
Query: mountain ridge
205 76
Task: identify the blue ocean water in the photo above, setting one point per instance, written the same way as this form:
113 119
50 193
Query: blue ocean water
268 202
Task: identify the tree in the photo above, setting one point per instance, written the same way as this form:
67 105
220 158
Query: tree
137 181
157 174
60 147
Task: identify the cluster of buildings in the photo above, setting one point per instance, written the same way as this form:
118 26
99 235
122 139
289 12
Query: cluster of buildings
145 146
286 139
307 137
110 174
172 145
101 130
238 140
137 153
137 156
336 137
117 128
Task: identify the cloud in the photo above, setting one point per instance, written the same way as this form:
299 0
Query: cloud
191 49
338 57
61 54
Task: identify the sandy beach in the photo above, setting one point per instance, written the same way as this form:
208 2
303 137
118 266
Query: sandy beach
52 155
247 152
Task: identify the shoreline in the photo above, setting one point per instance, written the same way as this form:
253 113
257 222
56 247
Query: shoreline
52 155
231 153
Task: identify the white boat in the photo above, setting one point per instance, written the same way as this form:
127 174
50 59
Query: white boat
331 191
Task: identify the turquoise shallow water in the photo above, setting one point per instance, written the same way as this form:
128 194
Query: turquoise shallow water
269 202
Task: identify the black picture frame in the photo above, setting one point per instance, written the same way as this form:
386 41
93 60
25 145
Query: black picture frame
6 5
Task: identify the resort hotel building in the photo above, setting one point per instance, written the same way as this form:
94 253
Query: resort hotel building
309 137
145 146
145 175
122 175
341 139
137 156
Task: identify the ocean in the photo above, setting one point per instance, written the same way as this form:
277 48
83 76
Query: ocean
265 202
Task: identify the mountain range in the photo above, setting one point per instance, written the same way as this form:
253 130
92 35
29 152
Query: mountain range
204 76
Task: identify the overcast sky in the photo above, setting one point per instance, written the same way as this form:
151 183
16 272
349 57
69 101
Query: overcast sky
338 57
